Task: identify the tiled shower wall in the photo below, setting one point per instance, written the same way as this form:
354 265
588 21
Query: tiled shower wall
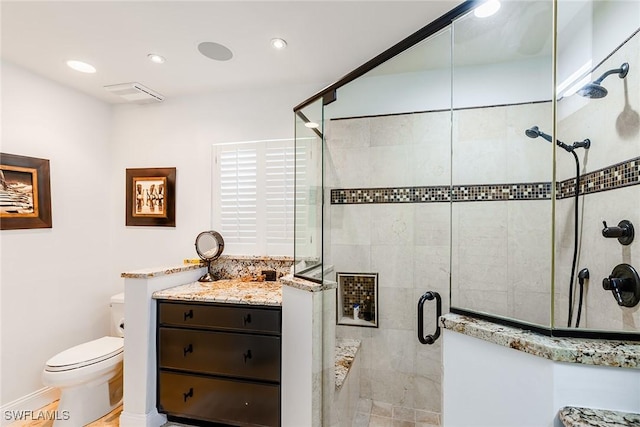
613 126
501 251
501 246
406 244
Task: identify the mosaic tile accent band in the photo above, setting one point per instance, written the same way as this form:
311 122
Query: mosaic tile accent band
610 178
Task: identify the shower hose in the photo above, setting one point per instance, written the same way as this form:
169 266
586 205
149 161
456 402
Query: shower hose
575 249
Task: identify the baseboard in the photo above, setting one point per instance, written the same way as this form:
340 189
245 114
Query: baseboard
14 411
152 419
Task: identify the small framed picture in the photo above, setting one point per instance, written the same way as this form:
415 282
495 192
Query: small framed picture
25 192
357 301
151 197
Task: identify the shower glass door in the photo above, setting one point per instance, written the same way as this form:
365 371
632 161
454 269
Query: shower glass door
386 232
502 180
595 41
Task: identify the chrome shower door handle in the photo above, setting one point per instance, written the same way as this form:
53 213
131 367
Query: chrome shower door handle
429 295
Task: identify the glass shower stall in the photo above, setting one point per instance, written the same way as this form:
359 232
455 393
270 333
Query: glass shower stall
448 164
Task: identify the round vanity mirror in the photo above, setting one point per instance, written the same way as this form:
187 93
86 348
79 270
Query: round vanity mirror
209 246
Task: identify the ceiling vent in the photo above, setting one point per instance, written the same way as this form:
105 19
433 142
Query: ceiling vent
135 93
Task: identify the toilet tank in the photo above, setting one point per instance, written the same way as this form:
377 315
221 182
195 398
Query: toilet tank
117 315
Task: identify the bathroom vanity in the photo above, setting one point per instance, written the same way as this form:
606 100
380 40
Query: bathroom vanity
219 352
166 307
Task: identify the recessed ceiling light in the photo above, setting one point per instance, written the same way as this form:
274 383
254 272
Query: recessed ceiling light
215 51
156 59
312 125
83 67
487 9
278 43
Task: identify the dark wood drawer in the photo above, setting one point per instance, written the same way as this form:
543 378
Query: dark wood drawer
219 400
220 353
250 319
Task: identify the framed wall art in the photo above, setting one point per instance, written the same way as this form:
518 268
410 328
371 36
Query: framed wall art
25 192
151 197
357 302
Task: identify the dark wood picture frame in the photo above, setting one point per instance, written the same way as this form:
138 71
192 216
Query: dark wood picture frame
151 197
25 192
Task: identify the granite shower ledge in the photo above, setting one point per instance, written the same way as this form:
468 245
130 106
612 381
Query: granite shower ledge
623 354
587 417
306 285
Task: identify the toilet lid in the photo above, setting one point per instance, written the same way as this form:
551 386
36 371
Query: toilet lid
86 354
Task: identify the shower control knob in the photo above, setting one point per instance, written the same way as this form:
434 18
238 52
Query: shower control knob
624 284
623 232
615 285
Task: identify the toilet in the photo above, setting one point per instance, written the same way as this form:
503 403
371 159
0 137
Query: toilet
89 375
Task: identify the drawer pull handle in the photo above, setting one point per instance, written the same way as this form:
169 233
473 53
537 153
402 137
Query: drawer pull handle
188 349
246 319
188 314
188 394
247 355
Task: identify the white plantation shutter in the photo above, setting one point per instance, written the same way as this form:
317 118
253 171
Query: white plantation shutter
302 196
279 183
253 196
238 194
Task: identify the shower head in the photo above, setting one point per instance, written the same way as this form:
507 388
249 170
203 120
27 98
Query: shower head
595 88
535 132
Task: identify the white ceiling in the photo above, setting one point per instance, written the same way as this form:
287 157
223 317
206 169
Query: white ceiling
326 40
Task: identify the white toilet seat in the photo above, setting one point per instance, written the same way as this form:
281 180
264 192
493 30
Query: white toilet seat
84 355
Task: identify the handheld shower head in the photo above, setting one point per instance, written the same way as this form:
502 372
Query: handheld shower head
595 88
535 132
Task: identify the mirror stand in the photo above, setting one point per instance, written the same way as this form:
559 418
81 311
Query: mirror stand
209 246
208 277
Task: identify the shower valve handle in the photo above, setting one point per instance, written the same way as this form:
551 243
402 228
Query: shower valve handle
624 284
615 285
623 232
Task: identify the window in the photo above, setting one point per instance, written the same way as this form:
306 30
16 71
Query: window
253 196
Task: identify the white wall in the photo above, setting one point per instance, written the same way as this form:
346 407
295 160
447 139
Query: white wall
55 282
179 133
62 298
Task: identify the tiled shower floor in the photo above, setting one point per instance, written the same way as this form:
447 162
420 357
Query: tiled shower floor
369 414
378 414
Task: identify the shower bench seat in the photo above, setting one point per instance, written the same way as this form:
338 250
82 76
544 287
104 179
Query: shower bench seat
347 381
346 350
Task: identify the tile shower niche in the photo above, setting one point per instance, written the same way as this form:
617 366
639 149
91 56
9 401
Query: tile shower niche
357 299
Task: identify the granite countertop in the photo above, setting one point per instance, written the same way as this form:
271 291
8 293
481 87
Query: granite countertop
624 354
237 263
587 417
160 271
236 291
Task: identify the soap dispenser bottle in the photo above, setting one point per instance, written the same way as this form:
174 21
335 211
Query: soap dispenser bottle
366 309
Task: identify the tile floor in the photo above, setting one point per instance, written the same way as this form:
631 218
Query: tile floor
112 419
378 414
369 414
